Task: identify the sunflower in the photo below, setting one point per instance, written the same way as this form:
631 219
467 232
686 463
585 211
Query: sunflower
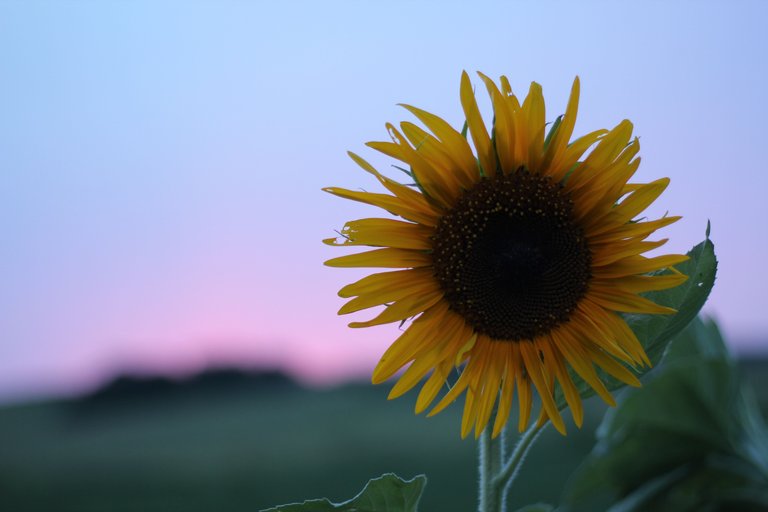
514 261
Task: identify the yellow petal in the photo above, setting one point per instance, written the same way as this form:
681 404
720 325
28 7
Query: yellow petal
641 284
622 334
534 111
640 199
482 141
384 281
491 388
613 368
462 338
533 366
618 230
425 143
559 143
618 300
470 412
421 284
453 393
505 87
617 173
633 265
549 376
414 373
464 350
454 143
588 327
435 154
410 197
564 162
384 233
418 335
504 127
507 394
384 258
579 360
599 196
469 376
389 203
606 254
477 369
402 309
607 150
570 392
433 386
429 178
522 136
525 396
391 149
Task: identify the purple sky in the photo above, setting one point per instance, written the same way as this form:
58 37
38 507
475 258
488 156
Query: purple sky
162 161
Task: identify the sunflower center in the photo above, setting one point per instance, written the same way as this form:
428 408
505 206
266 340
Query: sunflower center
510 258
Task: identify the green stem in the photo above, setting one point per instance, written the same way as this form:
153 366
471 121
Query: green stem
491 459
496 473
508 473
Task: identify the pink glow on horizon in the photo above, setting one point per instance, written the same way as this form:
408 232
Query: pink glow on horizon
163 164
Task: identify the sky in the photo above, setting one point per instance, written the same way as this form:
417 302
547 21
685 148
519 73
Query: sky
162 162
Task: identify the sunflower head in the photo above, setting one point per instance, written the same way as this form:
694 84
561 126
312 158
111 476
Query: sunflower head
514 257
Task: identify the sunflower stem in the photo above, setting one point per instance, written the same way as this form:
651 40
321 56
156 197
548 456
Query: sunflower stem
491 460
503 479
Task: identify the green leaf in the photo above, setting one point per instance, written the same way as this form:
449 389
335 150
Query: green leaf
638 499
656 331
690 438
702 338
388 493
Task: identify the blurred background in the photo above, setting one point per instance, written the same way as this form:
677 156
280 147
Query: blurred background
168 334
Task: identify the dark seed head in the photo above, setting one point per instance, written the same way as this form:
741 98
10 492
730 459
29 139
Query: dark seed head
510 258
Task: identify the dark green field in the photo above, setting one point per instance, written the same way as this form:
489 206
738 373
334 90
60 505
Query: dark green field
239 444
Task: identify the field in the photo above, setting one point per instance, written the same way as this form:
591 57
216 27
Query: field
229 441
